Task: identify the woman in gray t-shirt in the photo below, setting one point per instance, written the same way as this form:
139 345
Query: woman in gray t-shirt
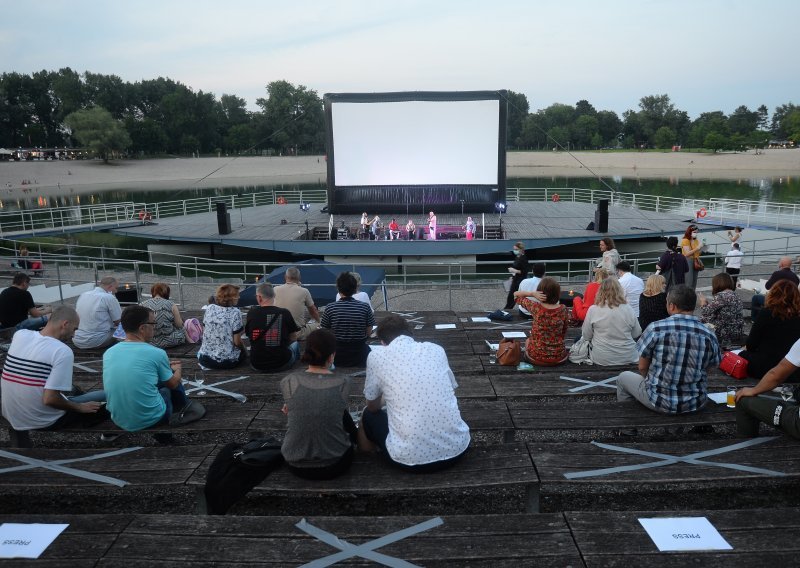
320 436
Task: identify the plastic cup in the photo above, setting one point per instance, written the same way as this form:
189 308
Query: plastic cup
731 397
492 357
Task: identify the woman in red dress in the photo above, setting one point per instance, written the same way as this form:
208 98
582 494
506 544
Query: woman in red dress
549 323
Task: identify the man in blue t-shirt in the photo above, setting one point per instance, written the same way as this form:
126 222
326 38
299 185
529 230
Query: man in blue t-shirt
143 387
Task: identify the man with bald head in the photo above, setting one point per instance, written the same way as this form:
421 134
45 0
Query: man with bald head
37 379
293 297
100 313
784 272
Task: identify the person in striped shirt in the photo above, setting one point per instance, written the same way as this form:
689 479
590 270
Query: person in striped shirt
351 322
674 355
37 379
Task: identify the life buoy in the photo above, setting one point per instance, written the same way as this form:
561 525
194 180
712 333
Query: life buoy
281 200
556 198
702 213
144 215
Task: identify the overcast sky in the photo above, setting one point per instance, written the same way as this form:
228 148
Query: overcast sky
705 54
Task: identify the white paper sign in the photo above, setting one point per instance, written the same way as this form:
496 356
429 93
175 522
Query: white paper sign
494 346
684 533
718 397
19 540
445 326
514 334
481 320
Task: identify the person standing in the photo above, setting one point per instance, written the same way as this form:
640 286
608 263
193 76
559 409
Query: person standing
272 332
469 227
735 236
431 226
519 272
99 313
376 227
297 300
364 234
691 248
672 265
610 258
17 308
733 262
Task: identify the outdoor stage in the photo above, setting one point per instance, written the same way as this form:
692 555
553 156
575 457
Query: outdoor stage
286 228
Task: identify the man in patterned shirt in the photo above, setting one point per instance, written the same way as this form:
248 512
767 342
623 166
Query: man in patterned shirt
673 357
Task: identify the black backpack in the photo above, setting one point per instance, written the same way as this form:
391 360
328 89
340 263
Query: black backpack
237 469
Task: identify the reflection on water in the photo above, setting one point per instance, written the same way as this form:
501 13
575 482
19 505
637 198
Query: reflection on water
782 189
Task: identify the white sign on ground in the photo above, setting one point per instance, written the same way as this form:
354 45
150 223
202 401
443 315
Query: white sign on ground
684 533
21 540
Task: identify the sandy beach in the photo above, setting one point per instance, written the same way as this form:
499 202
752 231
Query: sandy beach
50 178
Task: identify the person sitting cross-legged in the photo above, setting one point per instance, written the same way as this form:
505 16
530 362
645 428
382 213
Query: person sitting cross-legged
674 355
142 385
17 308
420 429
351 322
272 332
37 379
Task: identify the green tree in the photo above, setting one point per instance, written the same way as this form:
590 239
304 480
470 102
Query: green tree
665 137
715 141
240 137
791 126
778 120
583 130
763 117
609 126
743 121
517 109
558 137
97 130
293 116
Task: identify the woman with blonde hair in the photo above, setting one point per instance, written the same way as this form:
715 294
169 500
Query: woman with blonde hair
581 305
168 331
653 301
611 327
222 346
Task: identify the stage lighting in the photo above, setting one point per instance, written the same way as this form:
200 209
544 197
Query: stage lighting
500 207
305 206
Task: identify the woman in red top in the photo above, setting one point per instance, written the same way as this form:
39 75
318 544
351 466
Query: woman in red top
549 324
581 305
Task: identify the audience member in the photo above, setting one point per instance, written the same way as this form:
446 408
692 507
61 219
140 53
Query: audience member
674 355
752 410
359 295
549 324
784 272
99 312
774 331
672 265
531 285
142 385
297 300
222 346
320 434
421 427
691 248
611 327
17 308
272 332
169 330
37 379
351 322
518 270
610 258
581 305
733 262
632 285
724 311
653 301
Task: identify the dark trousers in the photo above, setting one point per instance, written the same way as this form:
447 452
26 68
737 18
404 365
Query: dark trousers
734 272
751 411
756 304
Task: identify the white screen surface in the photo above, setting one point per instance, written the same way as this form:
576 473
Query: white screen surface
415 142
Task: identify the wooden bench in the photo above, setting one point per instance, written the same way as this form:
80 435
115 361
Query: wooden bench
489 479
567 419
759 537
572 476
149 540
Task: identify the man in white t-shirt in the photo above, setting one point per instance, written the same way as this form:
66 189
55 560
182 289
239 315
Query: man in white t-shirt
421 427
37 377
752 410
631 284
100 313
733 262
531 285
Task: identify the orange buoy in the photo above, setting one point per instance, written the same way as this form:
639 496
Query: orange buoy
556 198
281 200
702 213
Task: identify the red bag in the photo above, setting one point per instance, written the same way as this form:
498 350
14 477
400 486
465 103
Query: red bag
733 365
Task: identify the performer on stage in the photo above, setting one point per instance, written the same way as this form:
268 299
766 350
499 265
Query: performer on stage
376 226
411 228
431 226
394 230
469 227
364 226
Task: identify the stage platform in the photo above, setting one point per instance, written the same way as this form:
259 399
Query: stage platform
285 228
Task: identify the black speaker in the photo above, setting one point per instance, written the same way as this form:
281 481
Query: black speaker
223 218
601 216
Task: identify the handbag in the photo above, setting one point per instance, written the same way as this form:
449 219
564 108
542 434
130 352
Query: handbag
509 352
581 352
698 265
733 365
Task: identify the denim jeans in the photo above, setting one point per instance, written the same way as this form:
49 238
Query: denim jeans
34 324
175 399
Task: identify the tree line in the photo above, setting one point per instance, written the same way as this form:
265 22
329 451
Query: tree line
50 109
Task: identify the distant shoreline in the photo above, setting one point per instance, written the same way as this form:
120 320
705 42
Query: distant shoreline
52 178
